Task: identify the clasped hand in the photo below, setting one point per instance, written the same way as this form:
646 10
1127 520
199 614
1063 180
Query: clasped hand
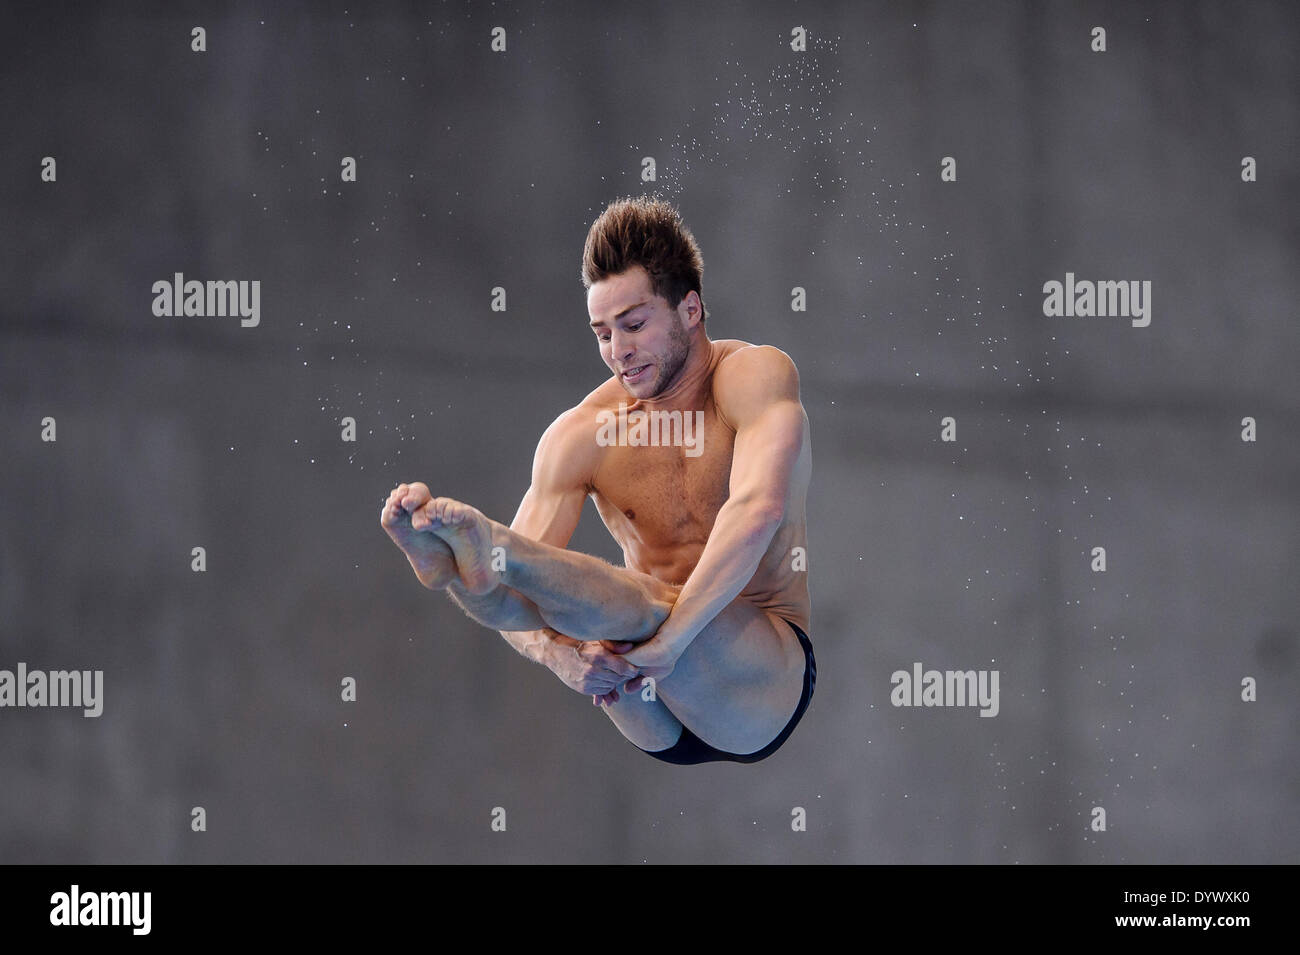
654 659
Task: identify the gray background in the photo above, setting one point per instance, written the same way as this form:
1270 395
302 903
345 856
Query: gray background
820 170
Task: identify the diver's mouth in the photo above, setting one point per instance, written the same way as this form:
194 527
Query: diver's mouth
635 374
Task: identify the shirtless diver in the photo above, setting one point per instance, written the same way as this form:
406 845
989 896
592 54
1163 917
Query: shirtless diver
697 456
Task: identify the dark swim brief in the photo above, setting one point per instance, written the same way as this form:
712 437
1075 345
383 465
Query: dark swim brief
690 749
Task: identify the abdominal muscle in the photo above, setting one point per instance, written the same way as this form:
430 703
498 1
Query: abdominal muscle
779 585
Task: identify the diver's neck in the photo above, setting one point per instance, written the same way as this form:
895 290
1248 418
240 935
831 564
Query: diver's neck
690 377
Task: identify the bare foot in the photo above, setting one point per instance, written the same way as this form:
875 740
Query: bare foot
430 557
469 536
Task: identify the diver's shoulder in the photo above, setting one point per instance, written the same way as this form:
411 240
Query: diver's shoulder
752 357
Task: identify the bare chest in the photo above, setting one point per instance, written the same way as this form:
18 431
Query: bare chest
661 486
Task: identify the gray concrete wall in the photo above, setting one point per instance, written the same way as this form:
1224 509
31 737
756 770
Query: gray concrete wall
820 169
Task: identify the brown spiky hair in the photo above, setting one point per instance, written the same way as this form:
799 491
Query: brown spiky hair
648 232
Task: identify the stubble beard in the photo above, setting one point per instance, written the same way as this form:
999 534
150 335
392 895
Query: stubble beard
680 347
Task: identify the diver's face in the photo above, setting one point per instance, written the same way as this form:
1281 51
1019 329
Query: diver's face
642 339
